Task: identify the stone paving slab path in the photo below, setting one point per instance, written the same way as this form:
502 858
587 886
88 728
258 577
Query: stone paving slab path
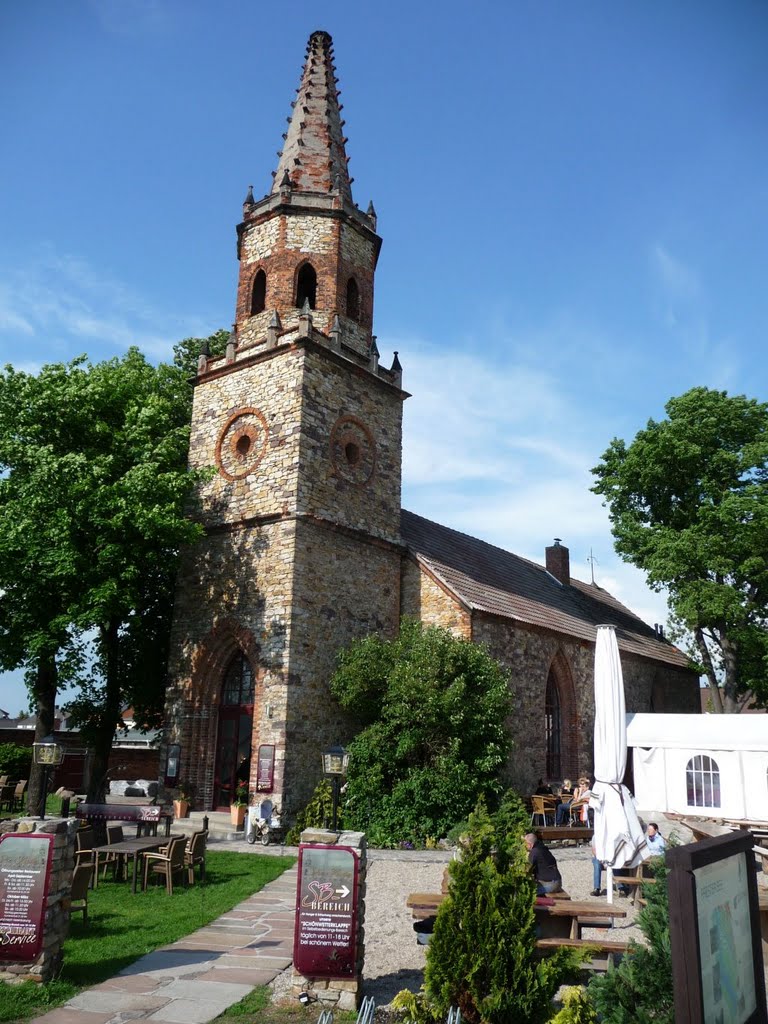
195 979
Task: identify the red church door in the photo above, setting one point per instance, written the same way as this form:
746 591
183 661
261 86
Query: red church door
233 742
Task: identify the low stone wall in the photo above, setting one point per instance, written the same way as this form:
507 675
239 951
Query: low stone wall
344 994
56 928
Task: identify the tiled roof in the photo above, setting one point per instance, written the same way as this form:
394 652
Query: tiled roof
488 579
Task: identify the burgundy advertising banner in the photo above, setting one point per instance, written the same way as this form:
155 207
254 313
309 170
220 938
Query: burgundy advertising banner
25 871
325 940
265 779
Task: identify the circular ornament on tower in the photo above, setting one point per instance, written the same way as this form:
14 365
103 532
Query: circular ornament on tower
242 443
353 450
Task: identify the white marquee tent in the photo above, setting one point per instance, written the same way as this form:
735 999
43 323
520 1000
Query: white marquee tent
711 765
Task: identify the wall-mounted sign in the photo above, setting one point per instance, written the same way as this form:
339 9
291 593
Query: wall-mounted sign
25 870
265 779
325 940
717 964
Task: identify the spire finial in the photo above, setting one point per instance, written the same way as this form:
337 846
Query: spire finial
249 200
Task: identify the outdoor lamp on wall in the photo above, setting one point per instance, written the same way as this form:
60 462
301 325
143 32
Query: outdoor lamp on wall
335 764
47 754
172 761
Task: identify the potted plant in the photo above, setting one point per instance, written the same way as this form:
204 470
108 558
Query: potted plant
239 805
182 799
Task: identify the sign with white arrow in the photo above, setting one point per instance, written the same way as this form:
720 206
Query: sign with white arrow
325 939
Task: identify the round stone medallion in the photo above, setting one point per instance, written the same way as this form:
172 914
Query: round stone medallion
353 450
242 443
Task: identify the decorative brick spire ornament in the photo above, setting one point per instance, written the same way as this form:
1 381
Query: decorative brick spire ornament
313 154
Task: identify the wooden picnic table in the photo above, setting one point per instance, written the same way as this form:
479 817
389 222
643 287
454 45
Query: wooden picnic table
131 847
562 918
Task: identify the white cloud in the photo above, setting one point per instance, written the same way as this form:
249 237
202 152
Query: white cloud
680 280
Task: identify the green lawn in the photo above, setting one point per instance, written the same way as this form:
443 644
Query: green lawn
123 926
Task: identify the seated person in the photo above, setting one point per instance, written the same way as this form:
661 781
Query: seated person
655 840
567 794
580 801
543 789
543 866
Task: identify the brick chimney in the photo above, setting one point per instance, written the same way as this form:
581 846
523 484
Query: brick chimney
558 561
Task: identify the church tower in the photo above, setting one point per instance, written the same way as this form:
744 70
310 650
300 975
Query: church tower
302 430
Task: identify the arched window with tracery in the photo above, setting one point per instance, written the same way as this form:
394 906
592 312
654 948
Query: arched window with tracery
306 286
259 293
702 777
553 728
353 299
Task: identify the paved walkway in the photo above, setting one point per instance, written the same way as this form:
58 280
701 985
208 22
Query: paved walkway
195 979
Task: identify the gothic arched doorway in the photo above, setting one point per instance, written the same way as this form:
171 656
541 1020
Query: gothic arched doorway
233 739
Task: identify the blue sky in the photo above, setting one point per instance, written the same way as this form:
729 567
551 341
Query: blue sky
572 198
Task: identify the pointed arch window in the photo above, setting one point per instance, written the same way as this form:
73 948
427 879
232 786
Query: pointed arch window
259 293
353 300
702 777
306 286
553 728
238 682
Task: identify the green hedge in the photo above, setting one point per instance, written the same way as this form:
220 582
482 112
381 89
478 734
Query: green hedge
15 761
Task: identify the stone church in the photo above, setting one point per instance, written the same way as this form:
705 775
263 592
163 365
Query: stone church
306 546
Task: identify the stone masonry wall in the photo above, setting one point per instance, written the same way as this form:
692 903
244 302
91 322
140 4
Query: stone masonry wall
345 587
56 925
424 599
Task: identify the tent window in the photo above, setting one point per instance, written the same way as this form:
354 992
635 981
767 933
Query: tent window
703 781
552 727
238 683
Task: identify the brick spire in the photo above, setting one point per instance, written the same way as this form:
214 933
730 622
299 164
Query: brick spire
313 155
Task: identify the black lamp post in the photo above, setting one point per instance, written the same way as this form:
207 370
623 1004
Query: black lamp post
47 754
335 764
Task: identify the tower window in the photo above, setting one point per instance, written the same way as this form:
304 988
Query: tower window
353 299
306 286
259 293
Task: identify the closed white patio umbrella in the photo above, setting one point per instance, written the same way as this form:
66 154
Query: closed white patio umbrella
619 838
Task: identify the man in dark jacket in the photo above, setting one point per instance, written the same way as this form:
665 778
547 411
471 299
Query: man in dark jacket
543 866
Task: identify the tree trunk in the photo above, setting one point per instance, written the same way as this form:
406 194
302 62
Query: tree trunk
709 670
44 697
730 688
108 715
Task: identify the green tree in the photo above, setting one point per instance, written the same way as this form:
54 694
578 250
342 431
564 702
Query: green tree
688 502
482 956
95 457
639 990
433 710
186 353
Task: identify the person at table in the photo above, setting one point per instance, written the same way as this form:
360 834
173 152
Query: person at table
543 789
543 866
655 840
567 794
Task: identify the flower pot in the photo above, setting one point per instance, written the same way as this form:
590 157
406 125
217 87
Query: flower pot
181 808
237 815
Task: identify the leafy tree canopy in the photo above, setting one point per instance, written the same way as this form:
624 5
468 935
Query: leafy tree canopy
434 710
688 502
93 492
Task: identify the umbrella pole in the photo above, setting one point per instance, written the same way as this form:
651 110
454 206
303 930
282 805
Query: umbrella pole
609 883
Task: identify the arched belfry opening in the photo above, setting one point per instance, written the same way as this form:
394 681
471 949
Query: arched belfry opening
560 722
306 286
353 300
235 728
259 293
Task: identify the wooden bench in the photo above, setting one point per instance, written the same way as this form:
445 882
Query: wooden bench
609 950
560 833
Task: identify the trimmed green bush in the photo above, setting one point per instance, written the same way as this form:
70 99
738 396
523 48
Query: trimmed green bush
15 760
317 814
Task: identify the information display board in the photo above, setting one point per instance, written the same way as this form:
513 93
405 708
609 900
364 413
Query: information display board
265 777
325 939
717 964
25 871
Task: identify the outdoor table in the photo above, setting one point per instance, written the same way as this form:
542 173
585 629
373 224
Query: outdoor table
561 918
129 847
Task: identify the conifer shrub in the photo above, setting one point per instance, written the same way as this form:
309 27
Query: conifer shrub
318 813
482 956
639 990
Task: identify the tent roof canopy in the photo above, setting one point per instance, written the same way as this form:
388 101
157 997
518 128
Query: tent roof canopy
698 732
